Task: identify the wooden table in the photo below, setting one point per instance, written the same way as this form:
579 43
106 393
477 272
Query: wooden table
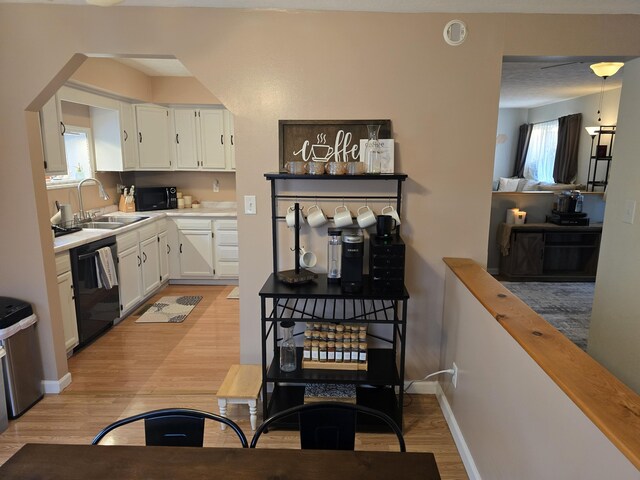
241 385
81 462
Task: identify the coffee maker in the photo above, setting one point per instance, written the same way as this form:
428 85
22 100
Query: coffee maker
352 260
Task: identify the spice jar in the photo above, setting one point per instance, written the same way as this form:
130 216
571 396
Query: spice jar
354 337
347 328
324 336
339 329
315 334
331 337
362 352
323 351
354 352
339 352
363 327
306 352
346 352
362 336
325 327
315 350
332 327
308 334
331 351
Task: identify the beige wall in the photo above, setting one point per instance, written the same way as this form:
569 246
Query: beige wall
516 422
197 184
181 90
614 336
116 78
443 102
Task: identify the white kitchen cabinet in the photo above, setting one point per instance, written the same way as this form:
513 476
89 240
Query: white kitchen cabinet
128 129
196 253
200 139
129 263
150 264
153 130
230 141
55 159
67 301
164 250
226 248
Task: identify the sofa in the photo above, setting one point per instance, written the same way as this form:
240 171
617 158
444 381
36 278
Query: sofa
515 184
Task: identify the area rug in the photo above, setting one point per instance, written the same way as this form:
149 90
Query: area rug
170 309
234 294
565 305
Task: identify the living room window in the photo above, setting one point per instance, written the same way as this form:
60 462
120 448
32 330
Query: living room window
541 154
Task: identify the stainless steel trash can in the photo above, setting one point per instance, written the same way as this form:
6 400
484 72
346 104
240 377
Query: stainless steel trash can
22 364
4 421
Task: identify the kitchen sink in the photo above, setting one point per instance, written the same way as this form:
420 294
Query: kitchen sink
118 219
103 224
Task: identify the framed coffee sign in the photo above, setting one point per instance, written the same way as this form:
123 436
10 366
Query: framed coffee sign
325 140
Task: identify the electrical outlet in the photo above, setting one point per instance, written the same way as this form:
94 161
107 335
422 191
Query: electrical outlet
454 377
216 185
250 204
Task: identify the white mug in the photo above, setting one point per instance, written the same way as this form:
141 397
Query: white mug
291 216
512 213
366 217
342 218
392 212
520 217
66 214
307 259
315 216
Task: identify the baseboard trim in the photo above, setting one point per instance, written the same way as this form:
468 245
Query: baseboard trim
57 386
493 271
421 388
458 438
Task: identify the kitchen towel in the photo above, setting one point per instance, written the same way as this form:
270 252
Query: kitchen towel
106 268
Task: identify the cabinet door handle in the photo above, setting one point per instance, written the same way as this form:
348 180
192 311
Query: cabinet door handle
144 257
73 297
139 260
177 138
222 139
126 135
168 249
63 129
180 248
232 140
140 136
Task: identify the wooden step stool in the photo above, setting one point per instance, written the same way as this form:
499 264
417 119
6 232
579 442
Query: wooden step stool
242 384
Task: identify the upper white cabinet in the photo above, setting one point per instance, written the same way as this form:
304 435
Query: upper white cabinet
229 144
55 160
153 137
202 141
128 132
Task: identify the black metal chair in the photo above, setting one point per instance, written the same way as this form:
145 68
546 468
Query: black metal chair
174 427
329 425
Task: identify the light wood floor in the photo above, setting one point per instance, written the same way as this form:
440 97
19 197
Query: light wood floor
139 367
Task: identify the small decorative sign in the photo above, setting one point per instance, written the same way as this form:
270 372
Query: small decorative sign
387 164
325 140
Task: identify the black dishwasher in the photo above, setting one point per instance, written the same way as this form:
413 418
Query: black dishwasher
96 306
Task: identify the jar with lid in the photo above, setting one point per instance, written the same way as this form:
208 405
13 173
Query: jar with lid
308 334
315 334
354 352
362 336
339 336
346 352
322 346
306 351
315 350
362 352
332 327
354 337
331 351
331 337
339 352
287 347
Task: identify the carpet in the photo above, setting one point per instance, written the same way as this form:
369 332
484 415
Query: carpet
565 305
235 293
170 309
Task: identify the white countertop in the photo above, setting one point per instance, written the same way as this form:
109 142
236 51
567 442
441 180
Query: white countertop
72 240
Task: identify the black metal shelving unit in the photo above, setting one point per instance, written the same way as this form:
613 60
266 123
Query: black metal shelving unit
381 386
603 153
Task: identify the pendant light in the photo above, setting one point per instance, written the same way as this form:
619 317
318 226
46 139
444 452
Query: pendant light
604 70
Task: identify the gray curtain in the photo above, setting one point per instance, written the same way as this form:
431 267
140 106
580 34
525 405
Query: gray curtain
524 135
565 167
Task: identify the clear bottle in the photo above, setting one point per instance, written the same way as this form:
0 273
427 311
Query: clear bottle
373 151
339 352
307 350
331 351
322 346
334 255
287 347
346 352
362 352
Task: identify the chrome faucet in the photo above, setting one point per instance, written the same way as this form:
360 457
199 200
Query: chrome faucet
104 195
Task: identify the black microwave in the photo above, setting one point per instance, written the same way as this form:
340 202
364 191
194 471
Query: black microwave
155 198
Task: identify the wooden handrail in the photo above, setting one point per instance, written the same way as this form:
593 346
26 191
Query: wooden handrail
612 406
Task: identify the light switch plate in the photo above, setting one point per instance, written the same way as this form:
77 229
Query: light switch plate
629 211
250 204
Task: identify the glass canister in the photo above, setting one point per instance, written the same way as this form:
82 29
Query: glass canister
339 351
334 255
346 352
373 151
287 347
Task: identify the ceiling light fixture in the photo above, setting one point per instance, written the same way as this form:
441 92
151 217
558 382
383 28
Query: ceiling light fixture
604 70
104 3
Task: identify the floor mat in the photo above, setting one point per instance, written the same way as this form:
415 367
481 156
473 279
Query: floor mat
170 309
235 293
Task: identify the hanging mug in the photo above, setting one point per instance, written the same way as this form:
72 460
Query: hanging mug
291 216
315 216
392 212
366 217
342 218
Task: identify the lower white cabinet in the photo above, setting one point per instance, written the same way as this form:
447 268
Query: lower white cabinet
67 301
225 235
164 250
196 252
139 265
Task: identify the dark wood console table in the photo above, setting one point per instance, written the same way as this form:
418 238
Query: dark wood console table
81 462
544 251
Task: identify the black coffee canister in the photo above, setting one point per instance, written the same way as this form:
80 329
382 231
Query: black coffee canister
385 224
